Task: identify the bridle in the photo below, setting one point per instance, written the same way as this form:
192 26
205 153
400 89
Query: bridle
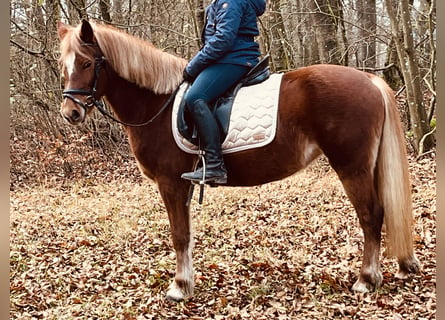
92 101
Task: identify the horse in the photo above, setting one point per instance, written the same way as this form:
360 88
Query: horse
346 114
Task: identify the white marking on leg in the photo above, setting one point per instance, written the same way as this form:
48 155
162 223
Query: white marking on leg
187 273
184 271
188 268
374 265
374 270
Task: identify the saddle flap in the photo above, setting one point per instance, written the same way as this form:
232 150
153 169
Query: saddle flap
184 120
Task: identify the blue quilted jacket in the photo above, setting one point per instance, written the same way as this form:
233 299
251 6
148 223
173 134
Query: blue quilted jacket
228 35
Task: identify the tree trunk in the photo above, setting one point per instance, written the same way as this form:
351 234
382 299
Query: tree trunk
200 15
76 11
196 7
104 6
367 15
281 60
392 73
118 13
411 74
325 22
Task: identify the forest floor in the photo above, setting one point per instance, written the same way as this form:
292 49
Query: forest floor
100 248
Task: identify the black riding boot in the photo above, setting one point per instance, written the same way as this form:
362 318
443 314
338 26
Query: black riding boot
208 131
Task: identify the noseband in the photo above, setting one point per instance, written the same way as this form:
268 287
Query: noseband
91 100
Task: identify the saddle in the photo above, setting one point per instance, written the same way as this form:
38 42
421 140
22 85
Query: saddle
222 107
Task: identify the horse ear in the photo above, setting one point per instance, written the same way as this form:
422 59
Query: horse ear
62 29
86 32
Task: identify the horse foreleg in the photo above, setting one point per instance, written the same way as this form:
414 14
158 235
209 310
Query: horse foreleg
362 194
174 195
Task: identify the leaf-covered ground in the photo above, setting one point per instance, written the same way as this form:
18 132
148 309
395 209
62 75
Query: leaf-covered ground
101 249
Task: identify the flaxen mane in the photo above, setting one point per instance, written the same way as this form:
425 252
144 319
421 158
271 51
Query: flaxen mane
134 59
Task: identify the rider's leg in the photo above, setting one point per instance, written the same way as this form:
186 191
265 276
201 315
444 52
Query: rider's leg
210 84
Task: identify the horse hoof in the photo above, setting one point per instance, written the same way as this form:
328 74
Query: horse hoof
368 281
178 293
175 295
408 266
362 287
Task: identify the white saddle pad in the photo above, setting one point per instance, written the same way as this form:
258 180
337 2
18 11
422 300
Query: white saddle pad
253 121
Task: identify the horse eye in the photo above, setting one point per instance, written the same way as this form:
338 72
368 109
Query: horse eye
62 81
86 64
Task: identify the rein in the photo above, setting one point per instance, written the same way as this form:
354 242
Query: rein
100 106
91 101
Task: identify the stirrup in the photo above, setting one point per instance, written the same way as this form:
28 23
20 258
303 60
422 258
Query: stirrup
201 174
212 182
201 185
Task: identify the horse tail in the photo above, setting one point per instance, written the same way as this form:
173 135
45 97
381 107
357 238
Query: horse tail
392 177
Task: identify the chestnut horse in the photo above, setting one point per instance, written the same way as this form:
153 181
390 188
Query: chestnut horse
348 115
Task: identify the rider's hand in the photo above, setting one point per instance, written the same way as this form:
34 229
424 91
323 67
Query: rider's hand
187 77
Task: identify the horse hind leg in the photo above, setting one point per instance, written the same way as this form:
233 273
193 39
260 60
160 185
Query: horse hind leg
362 194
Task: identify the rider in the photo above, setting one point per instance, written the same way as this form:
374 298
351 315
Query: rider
229 51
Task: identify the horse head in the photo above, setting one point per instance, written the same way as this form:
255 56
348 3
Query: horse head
81 63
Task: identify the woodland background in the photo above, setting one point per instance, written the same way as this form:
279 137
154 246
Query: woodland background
396 39
89 238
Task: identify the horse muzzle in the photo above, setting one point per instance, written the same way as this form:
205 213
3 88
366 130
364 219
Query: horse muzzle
72 114
73 109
